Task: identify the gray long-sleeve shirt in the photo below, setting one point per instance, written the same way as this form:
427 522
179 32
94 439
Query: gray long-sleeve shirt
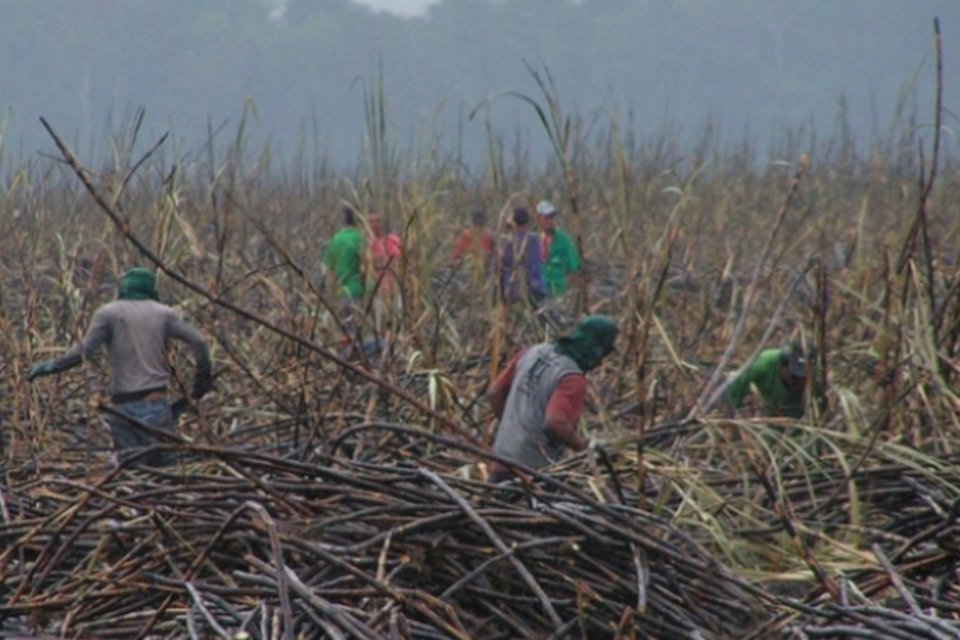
136 334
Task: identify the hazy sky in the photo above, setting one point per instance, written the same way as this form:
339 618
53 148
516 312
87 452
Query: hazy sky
742 68
399 7
405 8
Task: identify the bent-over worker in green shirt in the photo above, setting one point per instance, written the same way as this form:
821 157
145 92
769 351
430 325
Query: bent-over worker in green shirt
781 377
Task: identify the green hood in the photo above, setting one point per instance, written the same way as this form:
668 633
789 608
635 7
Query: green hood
138 284
590 341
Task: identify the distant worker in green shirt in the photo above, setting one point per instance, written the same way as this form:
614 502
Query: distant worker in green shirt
781 376
560 257
344 257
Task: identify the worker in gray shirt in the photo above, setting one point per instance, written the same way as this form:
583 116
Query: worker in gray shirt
540 395
136 329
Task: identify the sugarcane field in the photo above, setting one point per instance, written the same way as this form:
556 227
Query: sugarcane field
646 389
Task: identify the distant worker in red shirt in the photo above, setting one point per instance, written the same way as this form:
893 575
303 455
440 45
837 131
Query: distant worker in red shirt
385 253
539 397
476 242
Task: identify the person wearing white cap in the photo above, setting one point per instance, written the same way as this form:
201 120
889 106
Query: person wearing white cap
560 257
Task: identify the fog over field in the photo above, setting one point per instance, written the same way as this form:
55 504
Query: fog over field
747 69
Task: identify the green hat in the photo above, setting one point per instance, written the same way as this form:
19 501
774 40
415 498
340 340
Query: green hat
138 284
590 342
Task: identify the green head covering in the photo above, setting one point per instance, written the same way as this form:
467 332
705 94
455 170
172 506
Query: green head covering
138 284
590 341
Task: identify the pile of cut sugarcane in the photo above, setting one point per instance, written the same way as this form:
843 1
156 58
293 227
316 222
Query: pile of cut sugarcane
360 542
234 542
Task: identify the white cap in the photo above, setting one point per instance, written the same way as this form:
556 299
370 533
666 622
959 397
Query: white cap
546 208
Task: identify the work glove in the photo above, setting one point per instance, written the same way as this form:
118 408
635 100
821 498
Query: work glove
41 369
202 384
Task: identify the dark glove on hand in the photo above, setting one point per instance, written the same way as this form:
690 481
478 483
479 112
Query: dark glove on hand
41 369
202 384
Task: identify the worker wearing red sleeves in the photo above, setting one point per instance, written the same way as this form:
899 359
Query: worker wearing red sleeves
539 397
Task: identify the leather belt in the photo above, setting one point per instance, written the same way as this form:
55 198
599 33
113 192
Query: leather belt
138 396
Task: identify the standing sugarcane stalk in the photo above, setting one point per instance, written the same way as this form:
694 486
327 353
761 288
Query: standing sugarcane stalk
713 390
646 399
